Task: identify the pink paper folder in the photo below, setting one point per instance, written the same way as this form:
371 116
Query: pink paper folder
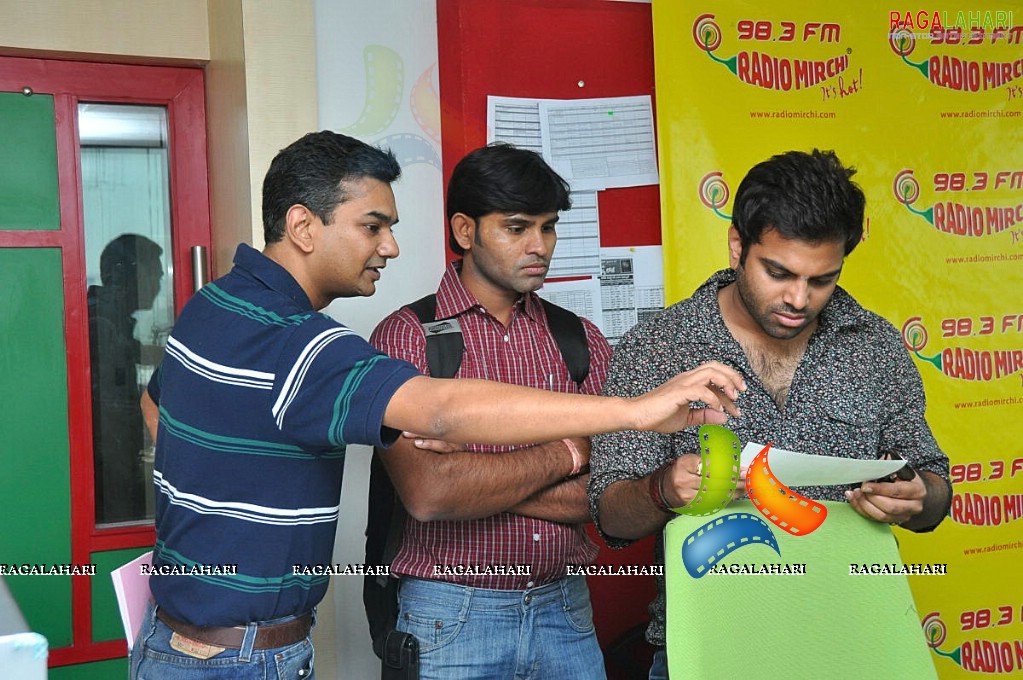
132 589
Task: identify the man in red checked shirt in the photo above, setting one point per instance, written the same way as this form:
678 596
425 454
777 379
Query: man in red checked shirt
491 529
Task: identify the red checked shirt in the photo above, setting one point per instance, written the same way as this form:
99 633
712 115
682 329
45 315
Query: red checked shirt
524 353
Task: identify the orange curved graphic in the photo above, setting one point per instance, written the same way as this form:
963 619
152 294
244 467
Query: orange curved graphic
788 510
426 104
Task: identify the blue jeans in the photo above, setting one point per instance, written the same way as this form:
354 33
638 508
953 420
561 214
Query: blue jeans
152 658
659 665
467 633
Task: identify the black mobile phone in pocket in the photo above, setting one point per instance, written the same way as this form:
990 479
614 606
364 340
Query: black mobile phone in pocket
401 657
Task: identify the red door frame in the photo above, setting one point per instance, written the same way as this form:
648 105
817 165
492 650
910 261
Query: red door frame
181 91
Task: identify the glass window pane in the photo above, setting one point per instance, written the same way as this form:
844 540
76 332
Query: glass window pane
126 204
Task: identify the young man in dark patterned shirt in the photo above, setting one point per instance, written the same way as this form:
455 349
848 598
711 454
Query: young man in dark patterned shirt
825 376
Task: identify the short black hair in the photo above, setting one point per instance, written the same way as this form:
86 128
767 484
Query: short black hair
313 170
804 197
501 178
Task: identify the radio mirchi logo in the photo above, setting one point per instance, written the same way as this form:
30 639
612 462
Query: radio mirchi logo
982 655
958 69
957 218
714 193
719 466
770 72
964 363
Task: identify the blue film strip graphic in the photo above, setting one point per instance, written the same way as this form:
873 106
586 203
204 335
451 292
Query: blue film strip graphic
719 537
410 149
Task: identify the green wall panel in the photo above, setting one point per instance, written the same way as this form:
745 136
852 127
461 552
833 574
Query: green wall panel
35 487
116 669
106 619
28 163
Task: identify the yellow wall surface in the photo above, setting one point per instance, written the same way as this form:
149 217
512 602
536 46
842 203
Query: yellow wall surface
926 106
260 96
280 72
108 28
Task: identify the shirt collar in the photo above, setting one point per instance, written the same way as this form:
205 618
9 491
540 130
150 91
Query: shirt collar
710 324
270 274
453 298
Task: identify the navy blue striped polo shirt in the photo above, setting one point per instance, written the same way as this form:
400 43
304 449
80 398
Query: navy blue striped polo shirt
258 395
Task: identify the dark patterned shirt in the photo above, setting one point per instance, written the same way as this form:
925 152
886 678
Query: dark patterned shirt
855 394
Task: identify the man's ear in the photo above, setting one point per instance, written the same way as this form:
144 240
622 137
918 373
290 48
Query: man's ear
300 227
734 247
463 228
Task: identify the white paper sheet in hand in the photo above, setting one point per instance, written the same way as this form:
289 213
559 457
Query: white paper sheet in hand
802 469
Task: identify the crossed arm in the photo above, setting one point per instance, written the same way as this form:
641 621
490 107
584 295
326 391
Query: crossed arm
437 481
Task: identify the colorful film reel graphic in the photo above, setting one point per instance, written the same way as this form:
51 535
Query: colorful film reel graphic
385 82
785 508
719 537
719 451
719 465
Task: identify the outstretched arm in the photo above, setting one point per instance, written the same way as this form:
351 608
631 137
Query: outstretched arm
496 413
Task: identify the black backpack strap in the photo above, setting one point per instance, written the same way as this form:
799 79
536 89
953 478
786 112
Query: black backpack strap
444 343
384 522
386 515
569 333
445 346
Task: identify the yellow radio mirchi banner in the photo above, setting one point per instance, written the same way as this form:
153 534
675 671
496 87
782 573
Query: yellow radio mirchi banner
926 102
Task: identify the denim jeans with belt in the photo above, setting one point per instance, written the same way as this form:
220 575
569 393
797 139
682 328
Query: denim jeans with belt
467 633
152 658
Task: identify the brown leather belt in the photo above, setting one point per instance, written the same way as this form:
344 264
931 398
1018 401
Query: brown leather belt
267 636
